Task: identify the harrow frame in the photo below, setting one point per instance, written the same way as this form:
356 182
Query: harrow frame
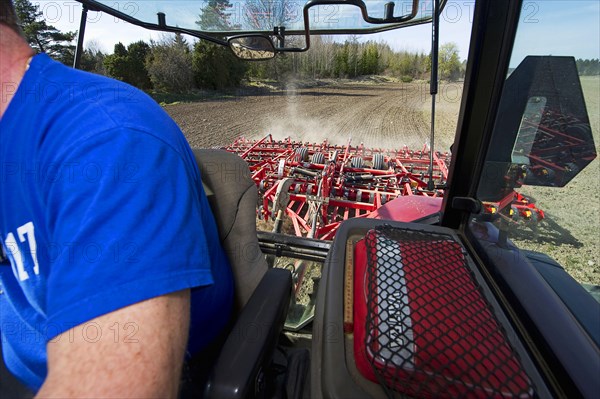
319 185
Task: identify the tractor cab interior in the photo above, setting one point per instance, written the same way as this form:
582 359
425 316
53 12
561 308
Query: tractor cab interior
437 302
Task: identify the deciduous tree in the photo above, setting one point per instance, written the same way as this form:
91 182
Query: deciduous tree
92 59
129 64
169 65
449 62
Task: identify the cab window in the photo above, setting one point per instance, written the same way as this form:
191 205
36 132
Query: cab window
540 178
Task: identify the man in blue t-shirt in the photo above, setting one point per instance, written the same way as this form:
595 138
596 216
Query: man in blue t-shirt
114 257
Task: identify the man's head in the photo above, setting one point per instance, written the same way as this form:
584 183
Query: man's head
14 53
8 16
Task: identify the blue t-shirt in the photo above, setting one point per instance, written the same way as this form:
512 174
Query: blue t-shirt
101 206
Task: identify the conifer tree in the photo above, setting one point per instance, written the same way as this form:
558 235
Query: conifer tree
42 37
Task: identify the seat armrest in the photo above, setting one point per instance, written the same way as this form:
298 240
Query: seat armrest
250 344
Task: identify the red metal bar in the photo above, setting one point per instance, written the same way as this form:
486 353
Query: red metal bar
254 146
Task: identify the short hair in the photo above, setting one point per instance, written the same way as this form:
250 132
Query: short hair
8 16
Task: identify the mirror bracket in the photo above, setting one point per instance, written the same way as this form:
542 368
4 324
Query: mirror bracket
279 33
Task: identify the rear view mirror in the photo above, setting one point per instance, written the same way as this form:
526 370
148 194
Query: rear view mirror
554 136
252 47
542 134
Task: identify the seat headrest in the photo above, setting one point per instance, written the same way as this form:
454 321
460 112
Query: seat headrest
227 174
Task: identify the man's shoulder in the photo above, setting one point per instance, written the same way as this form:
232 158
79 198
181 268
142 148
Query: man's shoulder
83 104
79 91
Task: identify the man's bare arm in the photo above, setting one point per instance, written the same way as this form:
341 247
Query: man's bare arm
138 354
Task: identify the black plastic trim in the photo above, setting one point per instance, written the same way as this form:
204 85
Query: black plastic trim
576 298
569 355
494 29
250 344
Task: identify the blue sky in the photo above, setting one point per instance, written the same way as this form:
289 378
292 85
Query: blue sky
557 27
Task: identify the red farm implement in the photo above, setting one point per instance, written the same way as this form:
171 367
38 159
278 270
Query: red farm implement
319 185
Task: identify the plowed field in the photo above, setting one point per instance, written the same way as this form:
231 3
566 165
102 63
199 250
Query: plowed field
382 115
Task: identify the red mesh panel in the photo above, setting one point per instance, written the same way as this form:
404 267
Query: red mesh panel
421 325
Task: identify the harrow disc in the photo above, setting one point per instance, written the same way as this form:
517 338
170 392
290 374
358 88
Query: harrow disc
357 162
301 154
318 158
378 162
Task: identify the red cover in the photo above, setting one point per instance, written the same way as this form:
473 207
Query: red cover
449 344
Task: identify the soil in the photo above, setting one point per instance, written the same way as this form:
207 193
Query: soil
378 114
385 114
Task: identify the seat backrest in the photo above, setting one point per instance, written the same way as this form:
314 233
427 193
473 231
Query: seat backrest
233 197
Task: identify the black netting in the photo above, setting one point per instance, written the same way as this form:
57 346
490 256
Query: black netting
429 330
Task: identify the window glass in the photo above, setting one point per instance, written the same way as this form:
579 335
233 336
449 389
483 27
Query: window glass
530 123
541 175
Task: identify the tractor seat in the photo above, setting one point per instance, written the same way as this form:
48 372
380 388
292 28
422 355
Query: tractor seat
233 196
234 364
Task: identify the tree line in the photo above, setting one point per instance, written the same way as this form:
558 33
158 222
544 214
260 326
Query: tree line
328 58
588 67
174 65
